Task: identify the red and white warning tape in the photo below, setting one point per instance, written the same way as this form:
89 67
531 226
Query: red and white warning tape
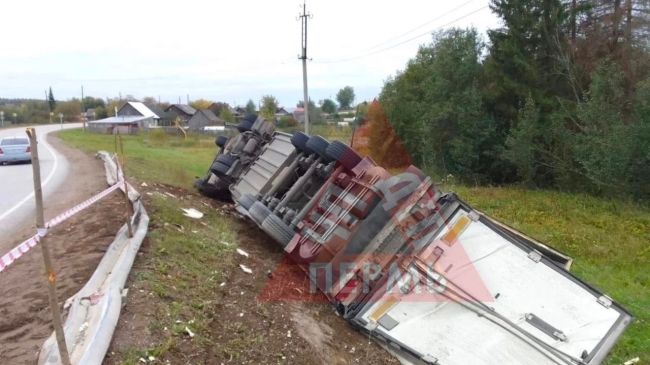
28 244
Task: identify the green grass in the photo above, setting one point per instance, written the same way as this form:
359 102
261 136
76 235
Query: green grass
326 131
183 272
153 157
608 239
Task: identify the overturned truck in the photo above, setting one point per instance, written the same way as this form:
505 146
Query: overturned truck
432 279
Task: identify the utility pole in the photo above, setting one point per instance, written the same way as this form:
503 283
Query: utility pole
304 16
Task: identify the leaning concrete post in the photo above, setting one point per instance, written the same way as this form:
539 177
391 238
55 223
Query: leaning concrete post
120 167
42 230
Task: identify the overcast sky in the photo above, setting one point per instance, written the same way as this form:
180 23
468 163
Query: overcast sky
220 50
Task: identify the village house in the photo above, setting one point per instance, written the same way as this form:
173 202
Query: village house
131 118
202 119
183 112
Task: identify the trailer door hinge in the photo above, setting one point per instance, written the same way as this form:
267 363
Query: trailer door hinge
429 359
605 301
535 256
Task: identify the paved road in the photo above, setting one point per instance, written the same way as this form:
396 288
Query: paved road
16 184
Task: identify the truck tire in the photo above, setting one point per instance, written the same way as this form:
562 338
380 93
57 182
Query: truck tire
219 168
278 230
259 212
246 201
245 126
221 141
319 145
227 160
259 128
299 140
250 146
215 191
346 156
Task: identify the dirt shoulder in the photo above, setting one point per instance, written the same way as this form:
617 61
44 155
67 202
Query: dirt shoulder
77 246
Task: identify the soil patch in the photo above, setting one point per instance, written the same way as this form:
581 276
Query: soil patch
77 247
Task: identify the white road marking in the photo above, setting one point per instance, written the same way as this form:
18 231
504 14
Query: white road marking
47 179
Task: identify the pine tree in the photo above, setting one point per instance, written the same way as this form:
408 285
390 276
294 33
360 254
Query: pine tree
50 100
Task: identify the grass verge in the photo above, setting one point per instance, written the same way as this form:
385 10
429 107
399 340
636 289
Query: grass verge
182 273
156 156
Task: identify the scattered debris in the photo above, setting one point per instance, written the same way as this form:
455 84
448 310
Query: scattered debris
245 269
144 184
170 194
632 361
189 332
242 252
224 243
192 213
177 226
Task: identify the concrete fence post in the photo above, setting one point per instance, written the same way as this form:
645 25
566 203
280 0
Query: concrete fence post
120 167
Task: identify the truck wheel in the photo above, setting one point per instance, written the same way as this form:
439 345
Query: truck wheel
250 146
260 127
319 145
210 190
259 212
278 230
299 140
345 155
246 201
227 160
221 141
245 126
219 168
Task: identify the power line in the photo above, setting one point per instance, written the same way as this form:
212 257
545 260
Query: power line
403 42
420 26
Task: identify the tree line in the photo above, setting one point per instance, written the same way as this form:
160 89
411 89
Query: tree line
559 97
